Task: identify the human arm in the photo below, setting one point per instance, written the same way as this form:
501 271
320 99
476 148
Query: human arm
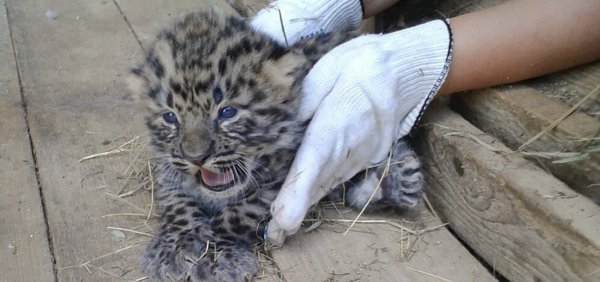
522 39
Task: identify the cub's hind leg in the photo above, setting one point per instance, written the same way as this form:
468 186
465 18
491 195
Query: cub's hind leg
401 185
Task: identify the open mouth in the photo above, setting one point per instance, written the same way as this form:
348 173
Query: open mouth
216 181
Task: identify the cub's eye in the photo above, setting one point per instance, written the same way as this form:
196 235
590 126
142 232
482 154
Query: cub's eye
227 112
170 117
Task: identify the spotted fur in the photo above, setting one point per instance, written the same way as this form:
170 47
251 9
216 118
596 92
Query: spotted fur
224 98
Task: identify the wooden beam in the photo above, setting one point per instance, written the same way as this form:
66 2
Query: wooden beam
521 220
570 85
514 114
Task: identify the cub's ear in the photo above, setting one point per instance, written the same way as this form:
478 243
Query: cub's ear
287 71
137 82
146 80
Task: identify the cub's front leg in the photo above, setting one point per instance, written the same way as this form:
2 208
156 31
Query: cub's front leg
180 243
236 230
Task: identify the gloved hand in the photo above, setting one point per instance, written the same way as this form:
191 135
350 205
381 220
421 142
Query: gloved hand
363 95
287 21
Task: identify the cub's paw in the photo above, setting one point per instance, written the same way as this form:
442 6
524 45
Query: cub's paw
403 184
402 190
171 257
232 263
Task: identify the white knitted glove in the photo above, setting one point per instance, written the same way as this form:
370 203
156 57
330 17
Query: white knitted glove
363 95
287 21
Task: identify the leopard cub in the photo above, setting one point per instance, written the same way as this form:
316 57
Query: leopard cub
221 102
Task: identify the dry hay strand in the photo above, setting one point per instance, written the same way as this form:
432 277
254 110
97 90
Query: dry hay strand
88 266
565 157
135 179
385 171
411 233
566 114
138 168
125 147
268 267
588 145
429 274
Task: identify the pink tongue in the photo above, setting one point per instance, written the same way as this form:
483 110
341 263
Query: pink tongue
215 179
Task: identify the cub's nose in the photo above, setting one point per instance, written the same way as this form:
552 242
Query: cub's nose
192 157
198 160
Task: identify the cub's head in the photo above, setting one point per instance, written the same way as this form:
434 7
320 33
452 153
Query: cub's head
219 96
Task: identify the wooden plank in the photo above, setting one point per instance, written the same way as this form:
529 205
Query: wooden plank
25 252
515 114
525 222
71 68
572 85
378 252
148 17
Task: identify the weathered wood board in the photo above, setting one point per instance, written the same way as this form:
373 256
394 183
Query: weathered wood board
24 249
514 114
72 64
571 86
148 17
378 252
520 219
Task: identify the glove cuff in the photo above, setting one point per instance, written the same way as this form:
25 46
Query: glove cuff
421 62
298 19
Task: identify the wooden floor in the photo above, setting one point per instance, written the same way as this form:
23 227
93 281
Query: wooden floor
62 97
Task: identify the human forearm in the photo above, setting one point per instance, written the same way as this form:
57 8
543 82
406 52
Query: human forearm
522 39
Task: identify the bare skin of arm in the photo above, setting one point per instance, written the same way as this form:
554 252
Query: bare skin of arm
517 40
521 39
